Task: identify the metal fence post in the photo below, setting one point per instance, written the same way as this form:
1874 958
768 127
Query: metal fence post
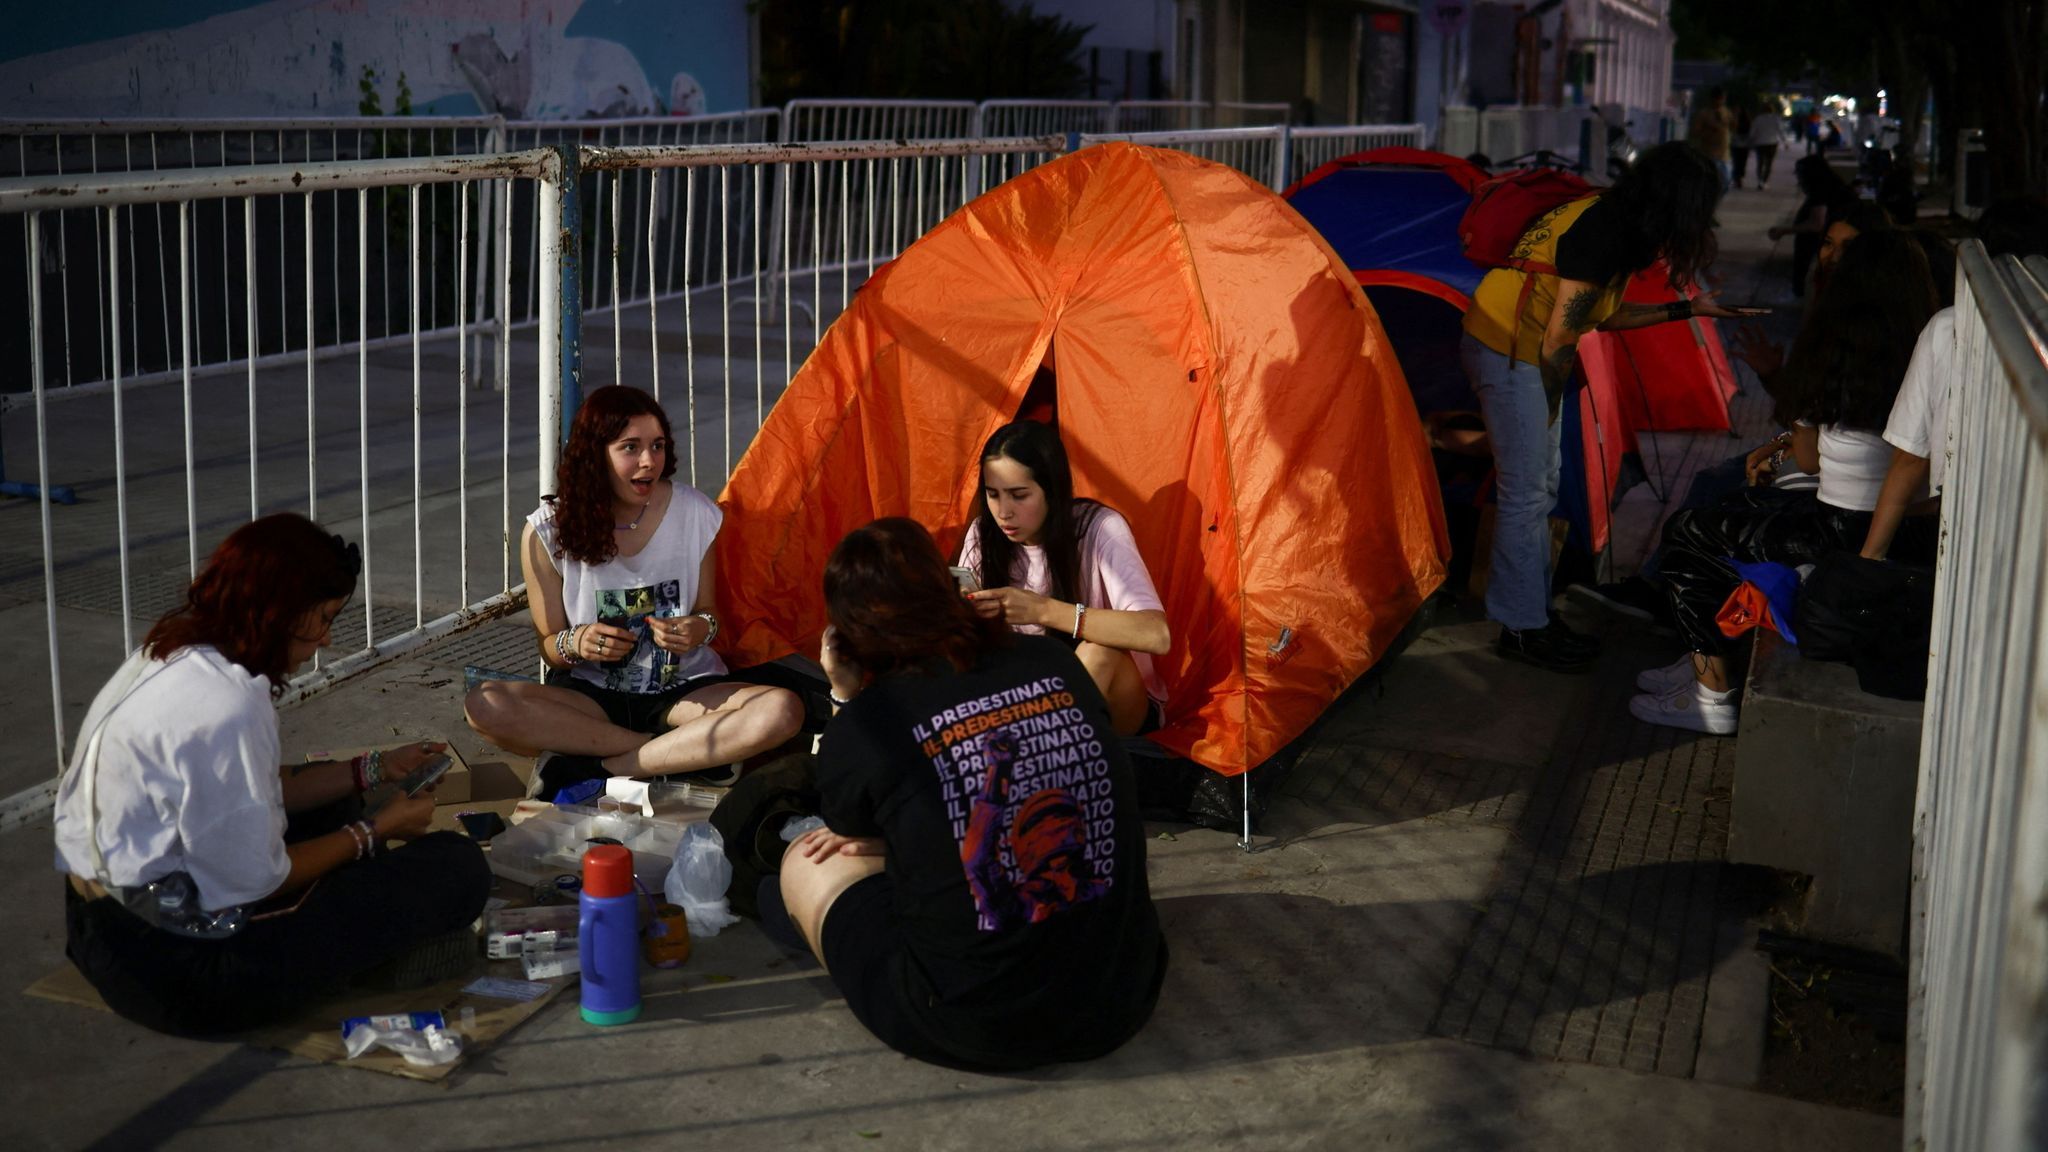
561 307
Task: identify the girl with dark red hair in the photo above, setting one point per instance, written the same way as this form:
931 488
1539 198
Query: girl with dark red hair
620 584
210 890
978 893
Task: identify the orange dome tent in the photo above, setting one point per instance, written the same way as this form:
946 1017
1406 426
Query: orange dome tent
1221 381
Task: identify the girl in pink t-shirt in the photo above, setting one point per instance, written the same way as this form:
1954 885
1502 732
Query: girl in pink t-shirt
1050 563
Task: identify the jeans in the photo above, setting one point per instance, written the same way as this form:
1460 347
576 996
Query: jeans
1525 464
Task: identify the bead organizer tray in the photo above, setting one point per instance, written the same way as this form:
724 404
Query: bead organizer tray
550 842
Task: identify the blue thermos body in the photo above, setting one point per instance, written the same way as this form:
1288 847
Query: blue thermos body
608 936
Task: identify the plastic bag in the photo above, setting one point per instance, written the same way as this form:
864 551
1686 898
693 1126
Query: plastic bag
698 880
798 827
419 1037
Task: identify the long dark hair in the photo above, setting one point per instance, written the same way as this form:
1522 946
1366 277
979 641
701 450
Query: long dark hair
1038 448
1821 183
255 590
1851 354
1665 201
894 606
583 487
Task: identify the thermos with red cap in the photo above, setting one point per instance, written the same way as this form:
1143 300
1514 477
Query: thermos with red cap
608 936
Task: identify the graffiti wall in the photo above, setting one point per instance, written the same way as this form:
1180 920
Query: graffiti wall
536 59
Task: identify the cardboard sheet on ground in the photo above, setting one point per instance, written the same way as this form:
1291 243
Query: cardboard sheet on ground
316 1032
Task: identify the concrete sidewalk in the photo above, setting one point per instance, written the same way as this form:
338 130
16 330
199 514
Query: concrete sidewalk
1486 912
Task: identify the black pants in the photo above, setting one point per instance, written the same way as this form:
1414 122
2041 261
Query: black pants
1765 157
356 917
1762 524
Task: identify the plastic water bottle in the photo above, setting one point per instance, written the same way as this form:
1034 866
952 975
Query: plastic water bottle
608 936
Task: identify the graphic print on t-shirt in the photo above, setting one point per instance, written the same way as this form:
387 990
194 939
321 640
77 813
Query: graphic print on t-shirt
1027 791
648 669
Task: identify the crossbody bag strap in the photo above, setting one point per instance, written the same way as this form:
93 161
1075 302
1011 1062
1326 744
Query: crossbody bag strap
131 677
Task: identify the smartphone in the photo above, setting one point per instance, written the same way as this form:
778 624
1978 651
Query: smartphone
426 775
1751 311
967 580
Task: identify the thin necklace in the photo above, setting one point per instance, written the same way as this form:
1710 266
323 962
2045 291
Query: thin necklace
636 519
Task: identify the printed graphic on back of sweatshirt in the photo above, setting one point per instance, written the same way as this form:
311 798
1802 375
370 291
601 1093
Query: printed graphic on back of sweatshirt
648 669
1027 791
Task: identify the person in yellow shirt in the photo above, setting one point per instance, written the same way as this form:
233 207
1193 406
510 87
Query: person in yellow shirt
1521 347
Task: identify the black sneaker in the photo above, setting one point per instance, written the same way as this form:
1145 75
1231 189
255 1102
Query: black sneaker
1546 647
1635 598
1570 637
554 771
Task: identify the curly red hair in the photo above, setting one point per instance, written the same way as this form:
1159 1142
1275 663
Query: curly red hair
256 590
583 487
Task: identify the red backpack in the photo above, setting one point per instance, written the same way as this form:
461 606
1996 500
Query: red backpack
1503 208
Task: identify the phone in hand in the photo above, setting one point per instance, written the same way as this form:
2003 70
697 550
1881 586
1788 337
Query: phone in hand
1751 311
426 775
967 580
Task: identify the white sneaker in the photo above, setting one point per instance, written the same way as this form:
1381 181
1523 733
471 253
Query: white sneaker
1686 708
1658 681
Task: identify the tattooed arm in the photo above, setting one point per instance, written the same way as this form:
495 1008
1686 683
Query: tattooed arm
1570 318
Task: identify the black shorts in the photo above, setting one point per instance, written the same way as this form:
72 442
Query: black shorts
863 949
634 711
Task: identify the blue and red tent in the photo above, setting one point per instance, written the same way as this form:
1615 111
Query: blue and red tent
1392 216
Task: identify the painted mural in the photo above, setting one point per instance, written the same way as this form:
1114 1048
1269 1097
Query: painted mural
531 59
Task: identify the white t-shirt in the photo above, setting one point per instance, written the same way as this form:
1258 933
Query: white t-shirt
1112 574
1919 421
187 781
1766 131
658 581
1852 467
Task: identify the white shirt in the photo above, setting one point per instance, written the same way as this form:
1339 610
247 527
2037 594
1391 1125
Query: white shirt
187 780
1919 421
1852 467
1766 131
1113 576
658 581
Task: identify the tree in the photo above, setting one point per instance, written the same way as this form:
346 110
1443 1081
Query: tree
1982 61
917 49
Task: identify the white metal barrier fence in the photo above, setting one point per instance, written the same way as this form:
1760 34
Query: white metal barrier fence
1311 148
712 270
1260 153
389 456
1977 1032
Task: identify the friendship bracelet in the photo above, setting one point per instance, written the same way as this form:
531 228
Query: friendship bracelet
711 618
565 646
355 836
368 769
369 836
836 701
1080 619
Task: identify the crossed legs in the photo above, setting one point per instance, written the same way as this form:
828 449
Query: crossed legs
721 724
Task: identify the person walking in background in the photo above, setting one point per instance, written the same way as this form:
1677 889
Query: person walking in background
1812 132
1766 134
1712 129
1738 143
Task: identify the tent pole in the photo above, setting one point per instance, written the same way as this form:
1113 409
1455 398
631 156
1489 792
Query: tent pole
1245 842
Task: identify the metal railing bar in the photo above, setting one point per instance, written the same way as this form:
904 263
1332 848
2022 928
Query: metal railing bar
22 194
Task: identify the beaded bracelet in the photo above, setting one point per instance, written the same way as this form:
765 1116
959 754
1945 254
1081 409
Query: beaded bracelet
369 836
368 770
1080 619
356 836
565 646
711 618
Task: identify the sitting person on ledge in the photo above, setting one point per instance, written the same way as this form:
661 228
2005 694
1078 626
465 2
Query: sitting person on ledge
1049 563
619 581
208 889
978 893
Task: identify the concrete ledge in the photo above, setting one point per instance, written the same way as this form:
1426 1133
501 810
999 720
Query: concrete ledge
1824 782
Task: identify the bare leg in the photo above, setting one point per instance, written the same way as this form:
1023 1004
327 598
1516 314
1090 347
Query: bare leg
1711 671
718 725
809 888
1116 674
528 718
